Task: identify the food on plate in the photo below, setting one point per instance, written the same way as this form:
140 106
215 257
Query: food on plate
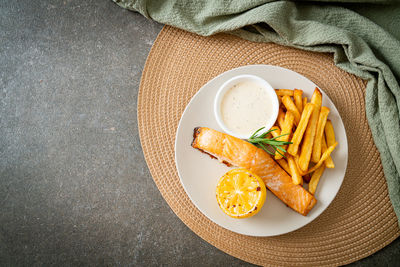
323 116
298 134
298 100
304 101
285 165
290 106
283 92
296 176
261 140
236 152
323 158
245 106
281 117
240 193
275 131
301 127
312 186
285 134
328 162
308 139
329 133
309 149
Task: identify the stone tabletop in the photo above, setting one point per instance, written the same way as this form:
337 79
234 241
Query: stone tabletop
74 186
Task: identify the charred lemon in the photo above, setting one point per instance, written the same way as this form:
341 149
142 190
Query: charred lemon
240 193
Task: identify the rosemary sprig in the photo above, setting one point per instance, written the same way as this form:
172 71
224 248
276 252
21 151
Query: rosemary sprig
261 140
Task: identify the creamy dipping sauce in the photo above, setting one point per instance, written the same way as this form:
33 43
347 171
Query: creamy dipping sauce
246 107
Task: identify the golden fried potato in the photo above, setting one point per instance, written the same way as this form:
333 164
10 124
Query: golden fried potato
323 116
308 139
286 130
298 134
312 186
283 92
298 101
328 162
290 106
296 177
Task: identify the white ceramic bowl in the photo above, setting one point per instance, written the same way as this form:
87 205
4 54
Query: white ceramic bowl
228 85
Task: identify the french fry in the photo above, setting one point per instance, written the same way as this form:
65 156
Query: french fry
298 101
321 161
323 116
282 92
329 133
304 101
287 130
312 186
276 131
281 117
296 177
328 162
308 139
289 104
283 163
298 134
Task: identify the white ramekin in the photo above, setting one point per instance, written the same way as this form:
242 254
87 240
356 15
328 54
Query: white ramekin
229 84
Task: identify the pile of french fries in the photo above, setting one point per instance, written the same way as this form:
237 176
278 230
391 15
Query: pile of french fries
307 126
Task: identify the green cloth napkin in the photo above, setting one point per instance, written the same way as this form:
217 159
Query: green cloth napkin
363 37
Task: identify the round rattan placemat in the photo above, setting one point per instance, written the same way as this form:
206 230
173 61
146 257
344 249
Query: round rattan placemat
359 221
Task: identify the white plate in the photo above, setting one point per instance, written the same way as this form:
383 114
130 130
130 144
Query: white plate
199 173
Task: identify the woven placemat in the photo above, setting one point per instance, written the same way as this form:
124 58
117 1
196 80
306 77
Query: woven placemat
359 221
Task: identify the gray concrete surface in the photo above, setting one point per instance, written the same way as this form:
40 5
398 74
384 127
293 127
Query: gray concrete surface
74 186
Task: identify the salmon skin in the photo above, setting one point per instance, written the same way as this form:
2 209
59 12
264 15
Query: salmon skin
236 152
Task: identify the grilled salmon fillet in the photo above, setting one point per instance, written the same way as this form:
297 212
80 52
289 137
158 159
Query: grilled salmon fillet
236 152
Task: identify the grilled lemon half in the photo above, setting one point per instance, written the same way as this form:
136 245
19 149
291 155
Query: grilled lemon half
240 193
